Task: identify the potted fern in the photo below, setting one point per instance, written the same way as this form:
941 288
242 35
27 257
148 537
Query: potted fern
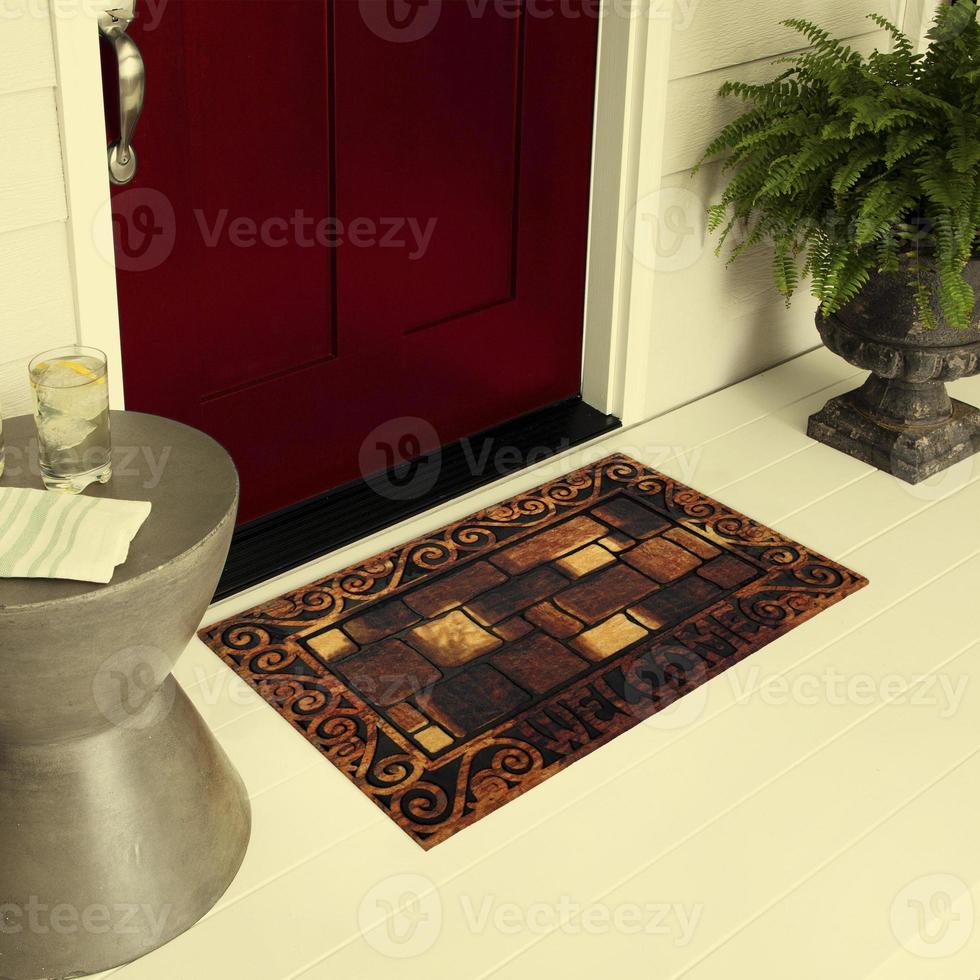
863 173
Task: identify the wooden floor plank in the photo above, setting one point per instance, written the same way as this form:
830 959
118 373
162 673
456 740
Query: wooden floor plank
658 805
643 816
219 698
794 484
302 809
953 963
751 448
775 839
728 410
869 902
896 583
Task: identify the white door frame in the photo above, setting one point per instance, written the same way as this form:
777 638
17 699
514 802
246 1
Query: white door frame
74 27
918 18
631 99
631 92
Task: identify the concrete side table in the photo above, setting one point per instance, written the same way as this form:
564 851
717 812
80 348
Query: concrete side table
122 820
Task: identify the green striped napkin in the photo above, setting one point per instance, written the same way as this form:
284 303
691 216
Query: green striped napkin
60 535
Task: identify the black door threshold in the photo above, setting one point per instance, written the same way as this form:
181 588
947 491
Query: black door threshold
313 528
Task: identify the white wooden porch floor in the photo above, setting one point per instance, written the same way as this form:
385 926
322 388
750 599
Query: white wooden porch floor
806 814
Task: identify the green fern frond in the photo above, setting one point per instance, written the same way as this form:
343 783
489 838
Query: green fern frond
904 143
901 43
851 172
953 22
964 154
847 165
888 252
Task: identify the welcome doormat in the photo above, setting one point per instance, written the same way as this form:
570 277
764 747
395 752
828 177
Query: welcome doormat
454 673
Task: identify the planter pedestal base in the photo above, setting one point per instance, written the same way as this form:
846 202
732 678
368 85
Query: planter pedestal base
914 448
902 419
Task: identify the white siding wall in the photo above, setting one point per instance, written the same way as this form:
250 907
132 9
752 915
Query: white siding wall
36 296
714 325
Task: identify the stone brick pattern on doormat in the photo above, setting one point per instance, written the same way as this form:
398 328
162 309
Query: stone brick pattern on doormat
448 676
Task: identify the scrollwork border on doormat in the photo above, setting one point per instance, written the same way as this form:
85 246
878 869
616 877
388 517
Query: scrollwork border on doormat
432 799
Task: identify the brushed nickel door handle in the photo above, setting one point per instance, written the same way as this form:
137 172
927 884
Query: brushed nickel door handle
132 88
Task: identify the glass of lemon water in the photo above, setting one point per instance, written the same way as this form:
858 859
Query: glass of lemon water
71 412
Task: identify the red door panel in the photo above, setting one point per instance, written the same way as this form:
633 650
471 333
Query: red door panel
335 224
449 162
257 148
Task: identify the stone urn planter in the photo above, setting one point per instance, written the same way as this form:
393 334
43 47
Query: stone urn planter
902 419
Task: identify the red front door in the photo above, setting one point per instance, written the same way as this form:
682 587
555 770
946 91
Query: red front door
353 211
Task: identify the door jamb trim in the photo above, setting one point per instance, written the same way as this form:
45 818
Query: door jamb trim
918 18
75 33
631 99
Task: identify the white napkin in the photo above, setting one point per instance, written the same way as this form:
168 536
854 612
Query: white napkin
59 535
